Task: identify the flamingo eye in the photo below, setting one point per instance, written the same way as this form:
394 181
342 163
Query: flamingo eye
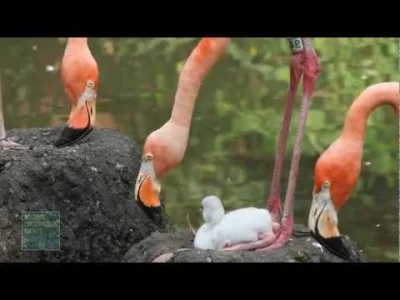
326 184
90 84
148 157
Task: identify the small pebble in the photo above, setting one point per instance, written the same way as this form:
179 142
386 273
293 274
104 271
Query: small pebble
301 256
318 245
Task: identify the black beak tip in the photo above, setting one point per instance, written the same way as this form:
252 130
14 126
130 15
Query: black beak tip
70 136
334 245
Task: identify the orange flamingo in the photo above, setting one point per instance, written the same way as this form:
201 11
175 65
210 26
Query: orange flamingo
80 77
164 148
338 168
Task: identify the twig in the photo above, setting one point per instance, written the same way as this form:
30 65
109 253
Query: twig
190 225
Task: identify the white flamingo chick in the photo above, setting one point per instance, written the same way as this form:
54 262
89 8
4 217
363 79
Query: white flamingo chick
221 230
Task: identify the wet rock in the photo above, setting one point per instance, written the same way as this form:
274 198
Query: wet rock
99 220
178 247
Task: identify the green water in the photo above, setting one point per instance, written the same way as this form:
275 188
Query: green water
236 121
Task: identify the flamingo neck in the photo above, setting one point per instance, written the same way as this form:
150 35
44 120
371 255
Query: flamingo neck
77 42
199 63
371 98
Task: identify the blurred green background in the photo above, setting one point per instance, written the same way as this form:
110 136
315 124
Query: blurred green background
236 121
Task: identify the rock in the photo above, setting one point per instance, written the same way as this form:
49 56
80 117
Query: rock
178 247
91 186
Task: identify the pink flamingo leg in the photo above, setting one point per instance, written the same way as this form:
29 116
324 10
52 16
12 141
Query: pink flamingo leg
311 74
310 63
296 71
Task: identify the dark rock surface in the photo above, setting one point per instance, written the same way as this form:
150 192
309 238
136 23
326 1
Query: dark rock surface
91 184
177 247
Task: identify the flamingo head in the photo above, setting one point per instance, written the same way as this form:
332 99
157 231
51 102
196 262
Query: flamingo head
331 190
148 188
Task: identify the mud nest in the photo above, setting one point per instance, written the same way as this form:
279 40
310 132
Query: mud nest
178 247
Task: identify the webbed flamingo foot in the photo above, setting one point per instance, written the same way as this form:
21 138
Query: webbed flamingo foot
283 236
8 143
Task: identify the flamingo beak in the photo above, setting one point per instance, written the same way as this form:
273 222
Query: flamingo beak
323 223
81 119
147 191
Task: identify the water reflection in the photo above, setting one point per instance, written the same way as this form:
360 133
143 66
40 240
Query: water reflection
236 122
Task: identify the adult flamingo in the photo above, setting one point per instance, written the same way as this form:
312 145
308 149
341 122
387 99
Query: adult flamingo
338 168
165 147
80 77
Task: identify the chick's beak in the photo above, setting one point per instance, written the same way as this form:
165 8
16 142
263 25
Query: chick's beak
81 119
323 224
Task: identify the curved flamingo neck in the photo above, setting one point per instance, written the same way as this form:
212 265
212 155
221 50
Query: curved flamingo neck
344 155
168 143
371 98
199 63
